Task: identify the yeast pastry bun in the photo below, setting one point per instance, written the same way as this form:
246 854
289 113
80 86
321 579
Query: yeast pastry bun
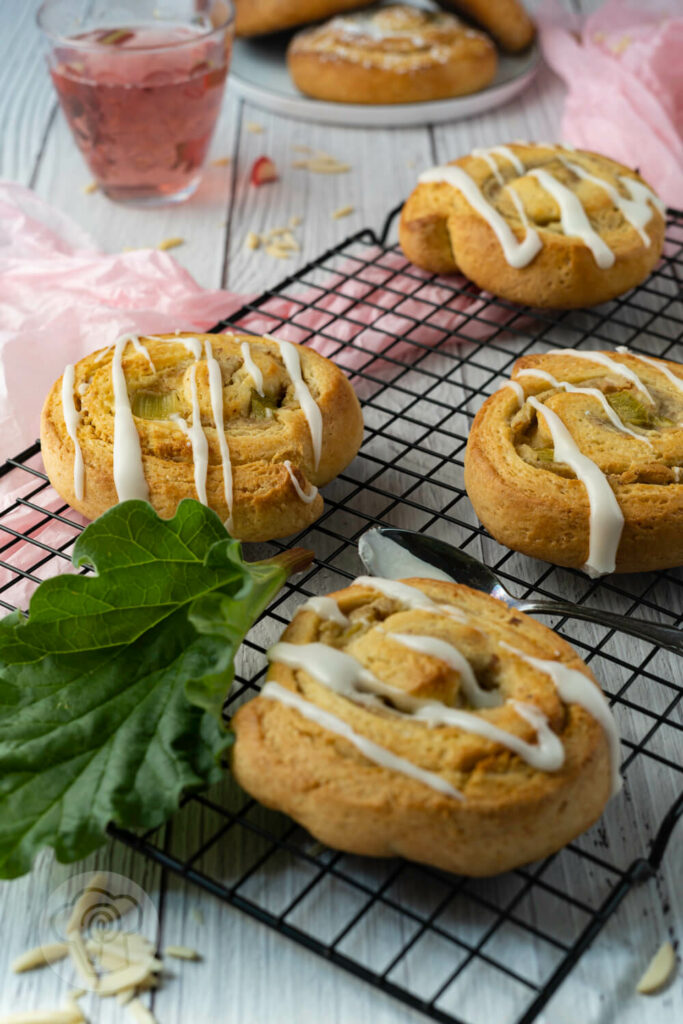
394 54
578 461
427 720
506 20
289 423
542 225
258 17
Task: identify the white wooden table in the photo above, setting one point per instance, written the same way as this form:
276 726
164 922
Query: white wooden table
249 974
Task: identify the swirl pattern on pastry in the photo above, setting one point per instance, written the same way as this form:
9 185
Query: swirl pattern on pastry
370 732
250 426
394 54
538 224
577 461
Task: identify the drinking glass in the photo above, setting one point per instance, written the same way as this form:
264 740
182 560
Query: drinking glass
140 83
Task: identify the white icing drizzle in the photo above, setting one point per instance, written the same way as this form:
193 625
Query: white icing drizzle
129 476
216 393
193 345
657 364
576 688
485 154
251 367
518 390
434 647
574 219
637 213
101 355
503 151
306 498
72 418
292 361
641 193
677 473
384 557
344 675
176 418
606 520
325 608
373 752
408 596
142 350
620 369
200 446
518 254
593 392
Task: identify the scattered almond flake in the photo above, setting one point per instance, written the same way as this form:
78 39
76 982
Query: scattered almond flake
301 149
125 995
294 222
170 243
81 960
659 970
114 981
253 240
197 915
91 187
182 953
278 252
221 161
40 956
343 211
621 45
322 163
254 127
140 1013
77 993
125 943
99 883
61 1016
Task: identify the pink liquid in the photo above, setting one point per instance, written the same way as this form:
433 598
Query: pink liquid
142 117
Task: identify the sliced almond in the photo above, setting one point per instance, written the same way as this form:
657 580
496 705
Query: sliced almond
91 187
254 127
64 1015
343 211
659 970
319 166
182 953
40 956
170 243
140 1013
253 241
115 981
90 897
278 252
294 222
221 161
81 960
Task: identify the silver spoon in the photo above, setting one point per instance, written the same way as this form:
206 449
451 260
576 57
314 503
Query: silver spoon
395 554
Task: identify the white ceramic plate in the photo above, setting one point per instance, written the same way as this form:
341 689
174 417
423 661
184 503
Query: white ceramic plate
259 74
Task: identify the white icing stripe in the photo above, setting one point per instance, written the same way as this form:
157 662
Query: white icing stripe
193 345
292 361
325 608
641 193
373 752
593 392
606 520
142 350
573 217
657 364
504 151
129 476
200 446
638 214
518 390
434 647
101 355
306 498
409 596
518 254
216 392
251 367
344 675
576 688
71 420
620 369
485 154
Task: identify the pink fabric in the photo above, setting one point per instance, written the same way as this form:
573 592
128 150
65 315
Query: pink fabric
624 71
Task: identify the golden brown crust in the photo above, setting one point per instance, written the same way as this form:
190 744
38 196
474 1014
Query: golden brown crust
397 54
537 506
441 232
506 20
512 813
258 17
266 504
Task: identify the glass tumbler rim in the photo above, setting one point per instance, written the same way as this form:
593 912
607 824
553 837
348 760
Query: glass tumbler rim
57 38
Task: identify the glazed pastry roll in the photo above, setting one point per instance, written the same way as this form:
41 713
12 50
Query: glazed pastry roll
577 460
250 426
427 720
538 224
394 54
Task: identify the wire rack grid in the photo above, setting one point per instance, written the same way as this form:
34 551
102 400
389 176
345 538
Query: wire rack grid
423 353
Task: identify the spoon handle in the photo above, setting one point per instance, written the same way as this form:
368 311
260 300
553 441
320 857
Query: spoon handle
670 637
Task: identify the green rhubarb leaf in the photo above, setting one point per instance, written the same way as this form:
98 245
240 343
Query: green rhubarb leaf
111 689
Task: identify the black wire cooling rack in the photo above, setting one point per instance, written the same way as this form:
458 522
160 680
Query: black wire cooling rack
422 366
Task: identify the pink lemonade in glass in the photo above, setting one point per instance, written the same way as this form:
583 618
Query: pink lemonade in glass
142 102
